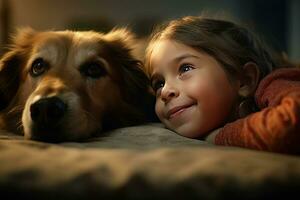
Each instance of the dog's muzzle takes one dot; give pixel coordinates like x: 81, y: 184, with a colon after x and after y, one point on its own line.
x: 47, y: 113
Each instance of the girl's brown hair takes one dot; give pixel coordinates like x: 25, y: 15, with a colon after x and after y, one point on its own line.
x: 230, y: 44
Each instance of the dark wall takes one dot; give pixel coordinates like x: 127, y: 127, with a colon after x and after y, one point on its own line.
x: 271, y: 18
x: 276, y: 20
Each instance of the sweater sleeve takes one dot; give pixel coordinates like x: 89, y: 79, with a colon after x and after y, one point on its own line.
x: 276, y: 127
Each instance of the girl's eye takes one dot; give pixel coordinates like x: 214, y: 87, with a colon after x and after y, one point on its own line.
x: 93, y: 70
x: 38, y: 67
x: 156, y: 85
x: 185, y: 68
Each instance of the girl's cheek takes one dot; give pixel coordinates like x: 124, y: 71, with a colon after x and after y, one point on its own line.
x: 158, y: 109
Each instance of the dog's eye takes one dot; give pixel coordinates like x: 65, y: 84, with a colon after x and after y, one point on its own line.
x: 38, y: 67
x: 93, y: 70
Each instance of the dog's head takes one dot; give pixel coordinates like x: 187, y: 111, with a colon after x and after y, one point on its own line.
x: 66, y: 85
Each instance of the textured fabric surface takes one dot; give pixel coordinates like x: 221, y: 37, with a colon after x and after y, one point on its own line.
x: 142, y: 162
x: 276, y: 128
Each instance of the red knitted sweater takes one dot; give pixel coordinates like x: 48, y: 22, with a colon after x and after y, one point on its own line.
x: 276, y: 127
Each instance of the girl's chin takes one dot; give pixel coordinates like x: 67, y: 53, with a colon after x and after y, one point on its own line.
x: 194, y: 134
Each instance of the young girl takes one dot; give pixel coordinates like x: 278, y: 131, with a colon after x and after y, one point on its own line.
x: 215, y: 80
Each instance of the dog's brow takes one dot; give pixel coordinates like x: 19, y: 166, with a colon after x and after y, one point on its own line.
x: 48, y: 52
x: 82, y: 55
x: 52, y: 49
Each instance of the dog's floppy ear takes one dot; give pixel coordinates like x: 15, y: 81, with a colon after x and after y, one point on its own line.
x: 121, y: 37
x: 10, y: 66
x: 135, y: 83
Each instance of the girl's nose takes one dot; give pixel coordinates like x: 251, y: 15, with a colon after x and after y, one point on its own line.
x: 168, y: 92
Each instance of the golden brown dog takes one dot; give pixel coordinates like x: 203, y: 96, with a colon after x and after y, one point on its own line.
x: 65, y: 85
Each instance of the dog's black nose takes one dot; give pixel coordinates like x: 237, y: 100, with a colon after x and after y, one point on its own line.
x: 48, y: 112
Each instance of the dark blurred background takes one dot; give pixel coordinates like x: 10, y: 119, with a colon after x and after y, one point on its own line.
x: 277, y: 20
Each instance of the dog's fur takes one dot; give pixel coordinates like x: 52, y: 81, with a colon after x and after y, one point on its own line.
x: 94, y: 75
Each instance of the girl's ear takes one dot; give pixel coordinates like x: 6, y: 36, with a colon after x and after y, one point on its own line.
x: 249, y: 80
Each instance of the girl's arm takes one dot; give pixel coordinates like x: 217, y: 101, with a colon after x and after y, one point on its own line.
x: 276, y: 127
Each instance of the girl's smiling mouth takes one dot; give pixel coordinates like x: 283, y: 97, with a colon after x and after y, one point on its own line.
x: 177, y: 110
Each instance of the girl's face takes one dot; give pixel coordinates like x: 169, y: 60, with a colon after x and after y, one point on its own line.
x: 193, y: 92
